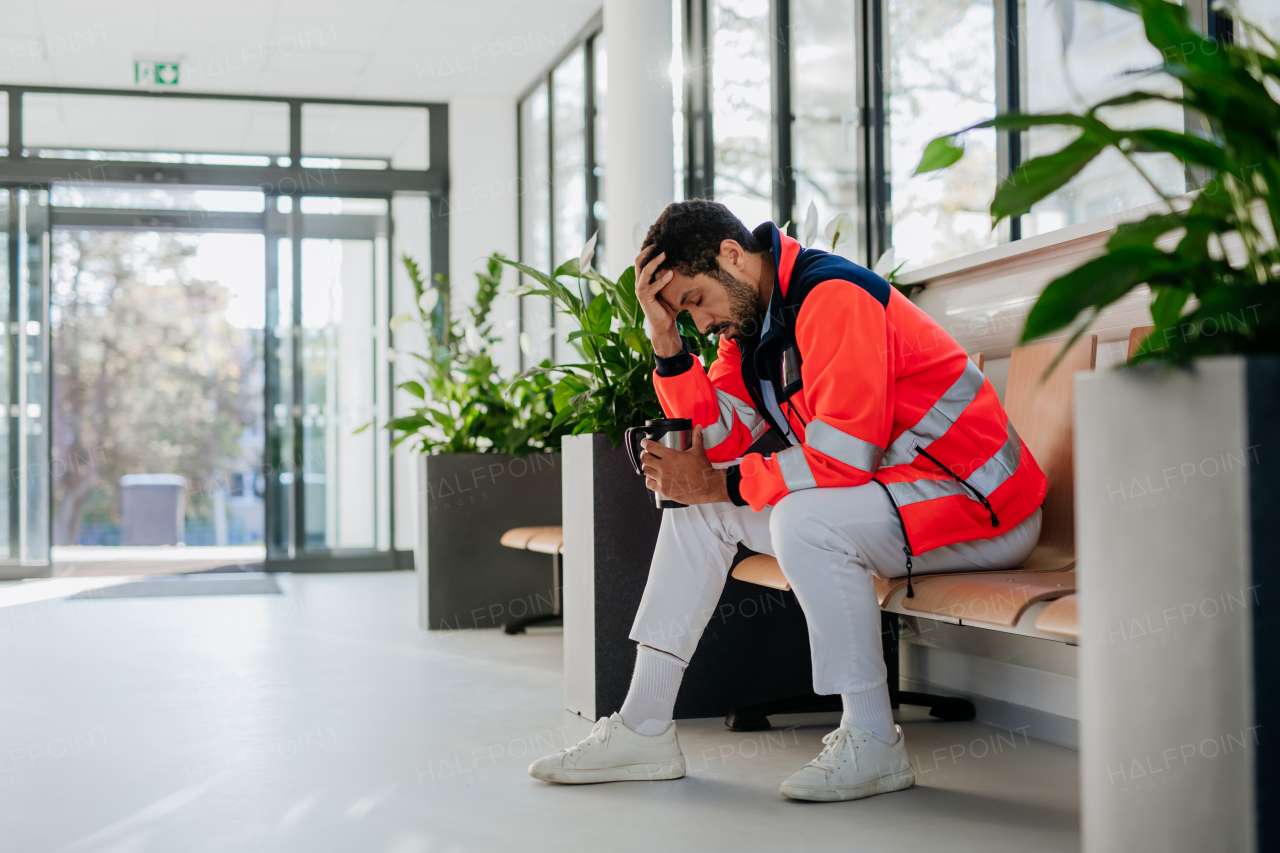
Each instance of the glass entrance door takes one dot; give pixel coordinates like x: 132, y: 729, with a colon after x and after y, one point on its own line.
x: 340, y: 508
x: 24, y: 383
x: 330, y: 398
x: 221, y: 347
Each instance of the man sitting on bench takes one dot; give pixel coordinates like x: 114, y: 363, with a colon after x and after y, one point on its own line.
x: 901, y: 460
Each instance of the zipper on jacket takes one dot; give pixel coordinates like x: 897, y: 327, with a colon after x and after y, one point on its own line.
x: 995, y: 522
x: 906, y: 548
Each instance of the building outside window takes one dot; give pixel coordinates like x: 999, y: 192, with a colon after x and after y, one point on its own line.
x: 740, y: 63
x: 1095, y: 61
x: 940, y: 76
x: 824, y: 99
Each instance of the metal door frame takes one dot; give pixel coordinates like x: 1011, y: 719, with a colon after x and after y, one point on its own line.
x: 283, y: 177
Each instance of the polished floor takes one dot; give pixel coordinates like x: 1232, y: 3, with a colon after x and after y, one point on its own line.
x: 323, y: 720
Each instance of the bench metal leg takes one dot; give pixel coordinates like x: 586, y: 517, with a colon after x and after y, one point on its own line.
x: 755, y: 718
x: 517, y: 626
x: 951, y: 709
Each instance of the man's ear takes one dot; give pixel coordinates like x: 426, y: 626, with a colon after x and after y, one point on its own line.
x: 732, y: 254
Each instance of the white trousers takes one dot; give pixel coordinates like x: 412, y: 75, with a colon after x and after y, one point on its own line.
x: 828, y: 543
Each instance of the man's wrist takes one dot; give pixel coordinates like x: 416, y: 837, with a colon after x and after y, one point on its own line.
x: 676, y: 364
x: 722, y: 485
x: 733, y: 486
x: 667, y: 345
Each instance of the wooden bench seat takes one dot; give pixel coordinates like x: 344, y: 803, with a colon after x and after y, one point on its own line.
x: 993, y: 598
x: 1060, y: 618
x: 519, y: 537
x: 543, y: 540
x: 1041, y: 411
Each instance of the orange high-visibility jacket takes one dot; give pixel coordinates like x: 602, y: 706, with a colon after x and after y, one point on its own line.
x: 874, y: 390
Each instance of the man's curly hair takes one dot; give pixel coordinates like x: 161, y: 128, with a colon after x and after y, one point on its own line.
x: 690, y: 232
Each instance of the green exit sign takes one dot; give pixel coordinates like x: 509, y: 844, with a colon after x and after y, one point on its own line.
x: 148, y: 72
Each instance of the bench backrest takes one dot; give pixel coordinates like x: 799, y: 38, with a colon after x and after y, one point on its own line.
x: 1041, y: 412
x: 1137, y: 335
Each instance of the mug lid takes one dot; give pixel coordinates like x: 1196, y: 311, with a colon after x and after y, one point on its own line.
x: 670, y: 423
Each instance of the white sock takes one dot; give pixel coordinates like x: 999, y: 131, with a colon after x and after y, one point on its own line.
x: 871, y: 710
x: 654, y: 684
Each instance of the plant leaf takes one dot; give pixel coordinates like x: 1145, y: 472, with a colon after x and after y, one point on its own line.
x: 1096, y: 284
x: 1039, y: 177
x: 940, y: 153
x: 1187, y: 148
x: 414, y: 388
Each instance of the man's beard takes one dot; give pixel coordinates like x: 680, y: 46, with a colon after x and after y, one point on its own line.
x: 745, y: 308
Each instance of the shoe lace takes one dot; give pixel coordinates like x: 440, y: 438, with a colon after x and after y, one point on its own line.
x: 599, y: 733
x: 833, y: 751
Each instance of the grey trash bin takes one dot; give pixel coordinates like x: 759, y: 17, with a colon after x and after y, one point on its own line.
x: 151, y: 509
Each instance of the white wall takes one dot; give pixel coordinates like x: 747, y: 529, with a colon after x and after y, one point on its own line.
x: 483, y: 198
x: 641, y: 153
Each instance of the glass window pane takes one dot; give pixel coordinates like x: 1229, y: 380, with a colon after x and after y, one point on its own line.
x: 570, y: 177
x: 132, y: 398
x: 599, y: 208
x: 338, y: 375
x: 823, y: 98
x: 153, y: 197
x: 1264, y: 14
x: 741, y: 108
x: 56, y: 125
x: 940, y: 77
x: 4, y: 125
x: 391, y: 134
x: 5, y: 493
x: 412, y: 216
x: 280, y: 468
x: 349, y: 206
x: 1105, y: 44
x: 677, y: 96
x: 569, y: 158
x: 535, y: 201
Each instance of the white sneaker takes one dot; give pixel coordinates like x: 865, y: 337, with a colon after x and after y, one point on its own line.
x: 614, y: 753
x: 852, y: 765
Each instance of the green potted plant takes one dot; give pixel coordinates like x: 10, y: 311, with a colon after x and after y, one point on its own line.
x: 1175, y: 455
x: 487, y: 462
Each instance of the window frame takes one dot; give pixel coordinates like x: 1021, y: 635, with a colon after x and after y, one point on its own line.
x: 586, y: 40
x: 872, y: 216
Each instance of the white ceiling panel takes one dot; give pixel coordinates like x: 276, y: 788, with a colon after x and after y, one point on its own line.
x: 388, y: 49
x: 150, y: 124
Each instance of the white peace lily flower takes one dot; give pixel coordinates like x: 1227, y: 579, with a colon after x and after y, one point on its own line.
x: 525, y: 346
x: 588, y: 252
x: 428, y: 300
x: 595, y: 287
x: 473, y: 339
x: 885, y: 265
x: 398, y: 321
x: 392, y: 355
x: 837, y: 230
x: 810, y: 225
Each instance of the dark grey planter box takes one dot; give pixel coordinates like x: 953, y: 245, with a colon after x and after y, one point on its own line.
x: 755, y: 649
x: 466, y: 501
x: 1178, y: 535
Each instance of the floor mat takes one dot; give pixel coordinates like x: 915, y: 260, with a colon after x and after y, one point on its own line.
x: 238, y: 583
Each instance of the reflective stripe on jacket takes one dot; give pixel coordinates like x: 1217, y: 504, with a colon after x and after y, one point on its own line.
x: 875, y: 390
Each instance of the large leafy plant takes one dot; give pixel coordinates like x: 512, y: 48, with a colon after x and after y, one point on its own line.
x: 610, y: 388
x: 1210, y: 258
x: 465, y: 407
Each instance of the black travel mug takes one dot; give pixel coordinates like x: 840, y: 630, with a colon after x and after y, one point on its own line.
x: 676, y: 433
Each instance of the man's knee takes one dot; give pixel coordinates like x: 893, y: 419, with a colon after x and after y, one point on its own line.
x: 792, y: 524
